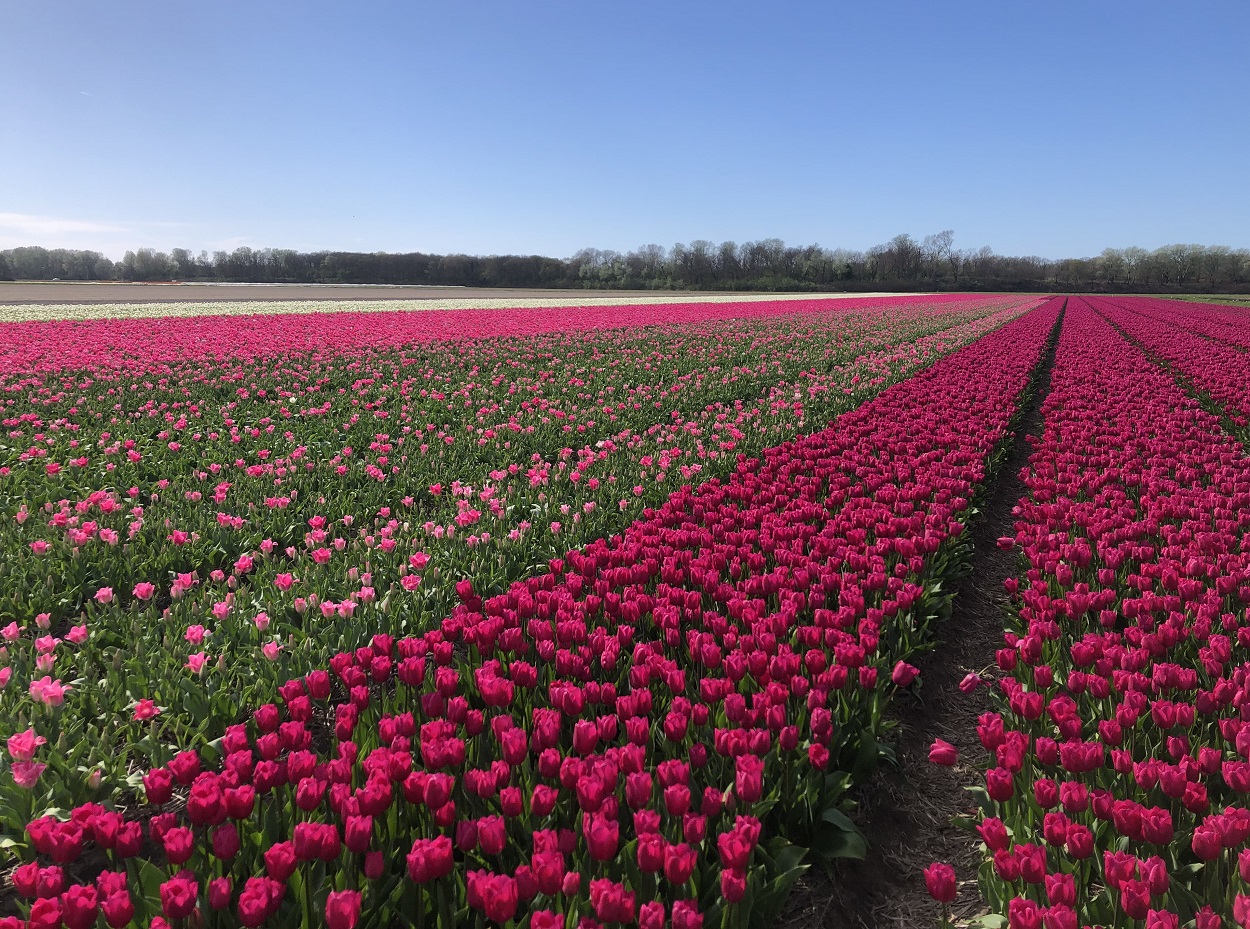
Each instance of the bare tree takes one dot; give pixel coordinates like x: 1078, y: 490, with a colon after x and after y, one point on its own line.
x: 1135, y: 263
x: 1112, y: 264
x: 937, y: 249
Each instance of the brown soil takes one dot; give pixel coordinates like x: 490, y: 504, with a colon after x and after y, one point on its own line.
x: 906, y: 812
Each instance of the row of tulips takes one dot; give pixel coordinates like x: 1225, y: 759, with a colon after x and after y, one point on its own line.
x: 131, y: 344
x: 1208, y: 346
x: 624, y: 738
x: 1210, y: 320
x: 1117, y: 789
x: 198, y: 554
x: 332, y: 306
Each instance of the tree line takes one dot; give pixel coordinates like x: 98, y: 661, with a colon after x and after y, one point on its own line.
x: 903, y: 263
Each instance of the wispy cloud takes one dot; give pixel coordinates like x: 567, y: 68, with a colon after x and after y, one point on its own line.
x: 112, y: 238
x: 38, y: 226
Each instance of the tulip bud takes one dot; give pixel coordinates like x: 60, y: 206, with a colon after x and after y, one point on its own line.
x: 940, y: 880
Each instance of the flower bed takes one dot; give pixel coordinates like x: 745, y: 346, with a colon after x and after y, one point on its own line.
x: 1116, y: 795
x: 185, y: 537
x: 626, y: 737
x: 1218, y: 365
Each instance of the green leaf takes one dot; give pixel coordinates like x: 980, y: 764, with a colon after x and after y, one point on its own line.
x: 838, y: 818
x: 150, y: 879
x: 769, y: 902
x: 832, y: 843
x: 789, y: 858
x: 865, y: 759
x: 762, y: 808
x: 965, y: 822
x: 983, y: 798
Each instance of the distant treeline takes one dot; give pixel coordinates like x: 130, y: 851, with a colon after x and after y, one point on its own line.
x: 903, y: 263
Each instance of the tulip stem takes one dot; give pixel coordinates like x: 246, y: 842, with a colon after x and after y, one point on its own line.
x: 444, y: 913
x: 306, y: 901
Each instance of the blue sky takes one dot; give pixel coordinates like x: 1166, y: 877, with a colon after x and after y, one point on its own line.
x: 1047, y: 128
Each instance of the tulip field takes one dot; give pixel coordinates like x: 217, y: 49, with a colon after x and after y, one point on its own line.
x: 581, y: 617
x: 1118, y: 789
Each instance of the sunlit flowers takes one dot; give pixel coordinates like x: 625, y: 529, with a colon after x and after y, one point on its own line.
x: 48, y: 691
x: 146, y: 709
x: 357, y: 533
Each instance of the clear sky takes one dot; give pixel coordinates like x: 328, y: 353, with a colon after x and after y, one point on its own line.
x: 1047, y: 128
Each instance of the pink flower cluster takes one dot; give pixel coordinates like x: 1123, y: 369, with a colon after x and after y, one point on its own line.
x: 1120, y: 757
x: 132, y: 344
x: 1206, y: 345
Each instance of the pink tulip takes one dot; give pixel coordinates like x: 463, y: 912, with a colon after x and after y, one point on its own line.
x: 940, y: 880
x: 48, y: 692
x: 26, y: 773
x: 904, y: 674
x: 146, y: 709
x: 943, y: 753
x: 23, y: 745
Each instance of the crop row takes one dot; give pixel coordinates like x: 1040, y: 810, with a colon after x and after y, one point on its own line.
x: 133, y: 344
x: 1199, y: 346
x: 1210, y: 321
x: 1116, y: 793
x: 628, y: 735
